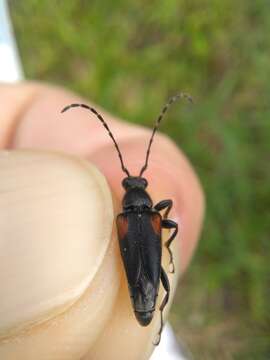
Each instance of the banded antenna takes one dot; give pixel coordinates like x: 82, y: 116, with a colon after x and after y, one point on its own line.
x: 160, y: 117
x: 100, y: 118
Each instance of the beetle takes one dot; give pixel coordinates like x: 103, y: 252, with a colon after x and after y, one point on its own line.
x: 139, y: 232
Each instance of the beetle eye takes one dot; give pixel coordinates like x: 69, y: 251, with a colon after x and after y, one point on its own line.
x: 145, y: 183
x: 125, y: 183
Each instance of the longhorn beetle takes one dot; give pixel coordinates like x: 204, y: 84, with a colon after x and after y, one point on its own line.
x: 139, y: 232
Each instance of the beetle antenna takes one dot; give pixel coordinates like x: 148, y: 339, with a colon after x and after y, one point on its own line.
x: 100, y: 118
x: 160, y: 117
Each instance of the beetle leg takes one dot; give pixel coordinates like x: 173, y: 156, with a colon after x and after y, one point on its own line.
x: 163, y: 204
x: 170, y: 224
x: 166, y: 285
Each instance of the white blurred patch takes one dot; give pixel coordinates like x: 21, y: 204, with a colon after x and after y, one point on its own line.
x: 168, y: 349
x: 10, y: 67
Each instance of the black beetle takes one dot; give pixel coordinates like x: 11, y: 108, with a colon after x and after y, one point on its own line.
x: 139, y: 232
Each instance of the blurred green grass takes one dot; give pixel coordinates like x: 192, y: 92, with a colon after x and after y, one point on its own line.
x: 129, y: 57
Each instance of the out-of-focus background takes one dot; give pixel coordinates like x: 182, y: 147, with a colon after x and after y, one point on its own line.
x: 129, y: 56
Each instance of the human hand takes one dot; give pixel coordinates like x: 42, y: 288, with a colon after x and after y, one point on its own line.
x: 96, y: 320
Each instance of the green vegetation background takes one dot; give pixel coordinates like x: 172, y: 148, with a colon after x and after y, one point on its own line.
x: 129, y: 56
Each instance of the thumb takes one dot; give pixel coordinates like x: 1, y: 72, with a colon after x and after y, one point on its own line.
x: 58, y: 269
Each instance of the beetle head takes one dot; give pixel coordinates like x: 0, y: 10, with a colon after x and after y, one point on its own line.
x: 134, y: 182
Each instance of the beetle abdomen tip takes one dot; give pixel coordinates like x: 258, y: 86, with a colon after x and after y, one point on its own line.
x: 144, y: 318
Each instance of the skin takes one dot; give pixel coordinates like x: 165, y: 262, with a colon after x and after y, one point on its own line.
x: 30, y: 118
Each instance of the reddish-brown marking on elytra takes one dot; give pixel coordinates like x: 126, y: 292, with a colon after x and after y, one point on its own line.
x: 122, y: 226
x: 156, y: 223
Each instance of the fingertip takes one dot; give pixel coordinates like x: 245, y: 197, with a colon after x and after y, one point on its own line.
x: 15, y: 100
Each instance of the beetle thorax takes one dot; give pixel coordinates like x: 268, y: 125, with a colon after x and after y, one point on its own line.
x: 137, y: 199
